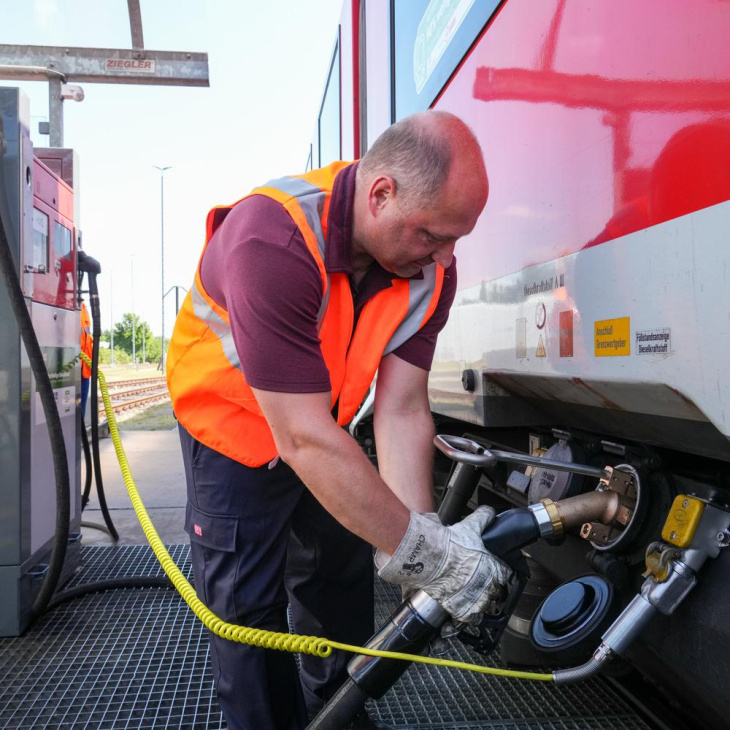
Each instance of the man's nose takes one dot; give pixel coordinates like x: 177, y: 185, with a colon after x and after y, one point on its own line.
x: 444, y: 254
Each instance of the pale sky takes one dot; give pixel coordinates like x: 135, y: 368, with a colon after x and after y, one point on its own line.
x: 267, y: 59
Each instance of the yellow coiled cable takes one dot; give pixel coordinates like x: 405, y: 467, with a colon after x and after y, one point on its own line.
x: 258, y: 637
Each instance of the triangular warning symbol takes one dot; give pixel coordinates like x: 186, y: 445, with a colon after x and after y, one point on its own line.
x: 541, y: 348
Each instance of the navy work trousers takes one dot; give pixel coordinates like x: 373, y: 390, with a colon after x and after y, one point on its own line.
x: 260, y: 542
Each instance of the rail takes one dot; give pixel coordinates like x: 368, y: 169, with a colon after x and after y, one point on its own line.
x: 127, y: 399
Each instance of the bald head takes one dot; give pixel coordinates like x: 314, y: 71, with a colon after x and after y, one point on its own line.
x: 420, y: 152
x: 419, y: 189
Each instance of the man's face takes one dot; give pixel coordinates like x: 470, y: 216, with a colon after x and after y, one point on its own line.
x: 406, y: 237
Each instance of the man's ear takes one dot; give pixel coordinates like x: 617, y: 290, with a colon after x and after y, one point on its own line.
x: 380, y: 194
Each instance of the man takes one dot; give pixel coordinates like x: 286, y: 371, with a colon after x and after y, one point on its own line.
x: 87, y: 347
x: 305, y: 288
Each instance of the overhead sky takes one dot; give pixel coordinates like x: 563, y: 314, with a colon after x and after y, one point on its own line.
x: 268, y: 61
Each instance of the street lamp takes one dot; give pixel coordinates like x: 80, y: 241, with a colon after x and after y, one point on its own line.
x: 134, y: 321
x: 162, y: 255
x: 111, y: 314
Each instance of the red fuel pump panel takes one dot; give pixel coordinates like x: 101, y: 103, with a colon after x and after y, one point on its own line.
x: 53, y: 259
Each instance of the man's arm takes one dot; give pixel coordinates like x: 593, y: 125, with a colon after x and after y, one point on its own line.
x: 404, y: 432
x: 333, y: 467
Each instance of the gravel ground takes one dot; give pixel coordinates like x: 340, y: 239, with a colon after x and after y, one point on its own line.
x: 155, y: 418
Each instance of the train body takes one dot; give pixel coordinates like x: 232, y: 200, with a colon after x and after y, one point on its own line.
x: 591, y: 320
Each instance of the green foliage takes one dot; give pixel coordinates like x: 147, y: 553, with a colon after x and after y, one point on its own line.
x: 120, y: 356
x: 152, y: 349
x: 131, y: 326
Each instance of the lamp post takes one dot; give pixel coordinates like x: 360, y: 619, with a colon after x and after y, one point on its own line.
x: 134, y: 321
x: 111, y: 314
x: 162, y: 256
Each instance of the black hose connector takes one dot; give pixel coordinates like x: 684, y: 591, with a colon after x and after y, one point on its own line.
x: 510, y: 532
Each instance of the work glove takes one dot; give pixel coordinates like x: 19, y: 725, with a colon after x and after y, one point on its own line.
x: 450, y: 563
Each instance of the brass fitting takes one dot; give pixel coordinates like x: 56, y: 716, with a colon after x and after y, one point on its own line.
x: 555, y: 518
x: 606, y: 507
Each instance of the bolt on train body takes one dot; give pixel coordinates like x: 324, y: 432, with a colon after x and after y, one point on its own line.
x: 592, y: 318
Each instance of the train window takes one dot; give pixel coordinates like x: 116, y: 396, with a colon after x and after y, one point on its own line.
x: 431, y: 39
x: 329, y: 115
x: 61, y: 241
x: 40, y: 242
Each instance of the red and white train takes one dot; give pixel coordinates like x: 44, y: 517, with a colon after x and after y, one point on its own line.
x: 592, y: 318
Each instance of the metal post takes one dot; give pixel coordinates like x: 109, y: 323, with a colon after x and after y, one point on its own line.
x: 55, y: 112
x: 162, y: 256
x: 144, y: 346
x: 134, y: 321
x: 177, y: 300
x: 111, y: 316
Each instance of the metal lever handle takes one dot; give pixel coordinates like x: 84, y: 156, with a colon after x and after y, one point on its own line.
x: 465, y: 450
x: 470, y: 452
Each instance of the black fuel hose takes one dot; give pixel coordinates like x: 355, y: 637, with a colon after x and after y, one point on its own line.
x: 92, y: 267
x: 109, y: 585
x: 87, y: 460
x: 406, y: 630
x: 53, y: 420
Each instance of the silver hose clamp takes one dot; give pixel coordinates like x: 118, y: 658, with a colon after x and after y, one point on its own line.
x: 543, y: 519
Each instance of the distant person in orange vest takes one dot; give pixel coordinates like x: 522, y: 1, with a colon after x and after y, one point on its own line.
x: 306, y: 287
x: 87, y: 347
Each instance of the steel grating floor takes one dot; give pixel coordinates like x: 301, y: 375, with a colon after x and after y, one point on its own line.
x: 138, y: 658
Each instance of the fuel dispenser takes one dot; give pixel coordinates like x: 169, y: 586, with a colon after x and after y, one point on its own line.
x: 37, y: 216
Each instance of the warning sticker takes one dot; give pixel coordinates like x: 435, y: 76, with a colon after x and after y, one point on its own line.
x: 613, y: 337
x: 521, y: 337
x: 541, y: 348
x: 566, y: 333
x: 654, y: 342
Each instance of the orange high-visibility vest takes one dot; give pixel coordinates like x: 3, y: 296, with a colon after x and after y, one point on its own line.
x: 87, y: 341
x: 208, y: 389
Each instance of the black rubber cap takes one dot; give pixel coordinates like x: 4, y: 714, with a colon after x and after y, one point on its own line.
x: 469, y: 380
x: 574, y: 613
x: 565, y: 607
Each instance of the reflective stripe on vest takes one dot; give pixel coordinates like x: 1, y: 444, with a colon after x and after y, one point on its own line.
x: 208, y: 388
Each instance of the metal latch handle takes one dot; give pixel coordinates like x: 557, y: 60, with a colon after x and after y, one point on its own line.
x: 471, y: 452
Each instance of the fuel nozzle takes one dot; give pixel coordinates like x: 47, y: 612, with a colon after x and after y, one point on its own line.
x: 89, y: 265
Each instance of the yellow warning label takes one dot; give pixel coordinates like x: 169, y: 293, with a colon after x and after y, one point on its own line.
x: 541, y: 348
x: 612, y: 337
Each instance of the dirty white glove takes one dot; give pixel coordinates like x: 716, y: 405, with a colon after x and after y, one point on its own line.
x: 381, y: 558
x: 449, y: 563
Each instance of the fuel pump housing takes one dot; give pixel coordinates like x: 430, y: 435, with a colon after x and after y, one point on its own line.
x: 37, y: 209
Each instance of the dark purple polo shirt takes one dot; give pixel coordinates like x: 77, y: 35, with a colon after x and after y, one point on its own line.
x: 258, y: 268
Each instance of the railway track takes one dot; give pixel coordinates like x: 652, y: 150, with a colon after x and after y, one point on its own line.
x: 146, y: 392
x: 115, y: 385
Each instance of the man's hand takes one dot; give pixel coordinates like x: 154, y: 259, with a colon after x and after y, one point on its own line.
x: 450, y: 563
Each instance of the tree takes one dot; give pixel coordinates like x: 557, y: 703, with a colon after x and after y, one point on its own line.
x: 153, y: 349
x: 120, y: 357
x: 123, y: 332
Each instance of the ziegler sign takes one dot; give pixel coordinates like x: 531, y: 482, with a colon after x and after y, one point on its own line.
x: 130, y: 64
